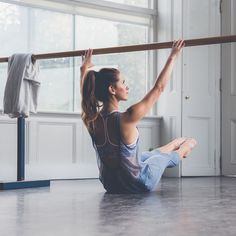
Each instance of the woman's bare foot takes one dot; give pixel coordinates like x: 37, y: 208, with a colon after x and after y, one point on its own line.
x: 187, y: 146
x: 173, y: 145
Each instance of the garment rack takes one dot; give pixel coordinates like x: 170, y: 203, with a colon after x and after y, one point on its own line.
x: 21, y: 183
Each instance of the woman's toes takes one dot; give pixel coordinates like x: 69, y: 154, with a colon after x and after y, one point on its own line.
x: 179, y: 141
x: 192, y: 142
x: 187, y: 146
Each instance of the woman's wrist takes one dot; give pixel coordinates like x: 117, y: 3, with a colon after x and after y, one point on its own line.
x: 172, y: 58
x: 83, y: 68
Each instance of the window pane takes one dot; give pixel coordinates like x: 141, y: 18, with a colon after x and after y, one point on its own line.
x: 25, y: 29
x: 96, y: 33
x: 13, y: 29
x: 137, y: 3
x: 52, y: 31
x: 56, y: 92
x: 13, y: 26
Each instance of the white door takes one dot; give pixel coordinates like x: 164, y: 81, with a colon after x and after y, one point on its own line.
x: 229, y: 90
x: 200, y: 96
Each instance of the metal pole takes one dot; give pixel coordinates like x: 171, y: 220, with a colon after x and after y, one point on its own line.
x: 20, y: 148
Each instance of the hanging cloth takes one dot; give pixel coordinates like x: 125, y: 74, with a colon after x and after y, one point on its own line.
x: 22, y: 86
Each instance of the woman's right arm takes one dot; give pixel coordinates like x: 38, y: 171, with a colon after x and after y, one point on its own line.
x: 137, y: 111
x: 86, y: 64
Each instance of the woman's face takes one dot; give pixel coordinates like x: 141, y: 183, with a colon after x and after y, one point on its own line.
x: 121, y: 89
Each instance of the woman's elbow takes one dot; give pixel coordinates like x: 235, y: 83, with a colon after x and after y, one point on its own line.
x: 160, y: 88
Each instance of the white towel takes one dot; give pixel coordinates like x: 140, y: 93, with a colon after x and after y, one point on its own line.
x: 22, y: 86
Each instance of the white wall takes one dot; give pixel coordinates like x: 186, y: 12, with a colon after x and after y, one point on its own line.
x: 58, y: 146
x: 169, y: 105
x: 185, y: 19
x: 229, y: 90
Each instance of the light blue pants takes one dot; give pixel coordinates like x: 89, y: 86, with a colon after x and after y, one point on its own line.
x: 153, y: 165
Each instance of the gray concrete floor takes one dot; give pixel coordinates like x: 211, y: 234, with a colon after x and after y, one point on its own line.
x: 186, y: 206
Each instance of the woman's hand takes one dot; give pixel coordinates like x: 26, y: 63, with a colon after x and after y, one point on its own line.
x: 176, y: 48
x: 87, y: 60
x: 86, y: 64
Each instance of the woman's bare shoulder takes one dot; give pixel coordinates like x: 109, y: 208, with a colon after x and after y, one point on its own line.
x: 129, y: 131
x: 126, y: 119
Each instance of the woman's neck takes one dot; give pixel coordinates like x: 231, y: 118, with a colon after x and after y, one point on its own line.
x: 110, y: 106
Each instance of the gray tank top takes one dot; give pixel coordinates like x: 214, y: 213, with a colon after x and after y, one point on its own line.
x: 117, y: 163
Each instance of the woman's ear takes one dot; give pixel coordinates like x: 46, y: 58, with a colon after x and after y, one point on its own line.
x: 111, y: 90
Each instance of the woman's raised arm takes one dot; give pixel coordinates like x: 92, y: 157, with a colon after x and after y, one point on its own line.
x: 137, y: 111
x: 86, y: 64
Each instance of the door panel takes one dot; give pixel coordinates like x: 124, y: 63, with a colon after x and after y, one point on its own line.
x: 229, y: 91
x: 201, y: 71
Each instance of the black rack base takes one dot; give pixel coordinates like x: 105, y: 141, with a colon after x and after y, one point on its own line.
x: 24, y: 184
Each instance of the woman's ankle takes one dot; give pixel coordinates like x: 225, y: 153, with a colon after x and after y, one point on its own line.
x: 186, y: 148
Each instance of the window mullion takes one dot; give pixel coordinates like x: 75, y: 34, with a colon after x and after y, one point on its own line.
x: 73, y: 66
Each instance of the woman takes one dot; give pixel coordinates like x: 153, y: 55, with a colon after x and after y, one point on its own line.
x: 115, y: 135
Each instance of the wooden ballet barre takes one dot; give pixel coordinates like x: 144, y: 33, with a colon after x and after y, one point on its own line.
x: 135, y: 48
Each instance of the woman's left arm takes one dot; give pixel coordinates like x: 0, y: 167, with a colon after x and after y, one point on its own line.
x: 86, y: 64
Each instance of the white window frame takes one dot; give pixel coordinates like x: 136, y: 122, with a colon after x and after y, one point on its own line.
x: 96, y: 8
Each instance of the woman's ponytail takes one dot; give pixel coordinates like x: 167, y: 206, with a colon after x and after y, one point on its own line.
x: 90, y: 105
x: 95, y: 90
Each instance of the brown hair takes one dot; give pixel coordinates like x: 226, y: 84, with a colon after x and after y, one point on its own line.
x: 94, y: 91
